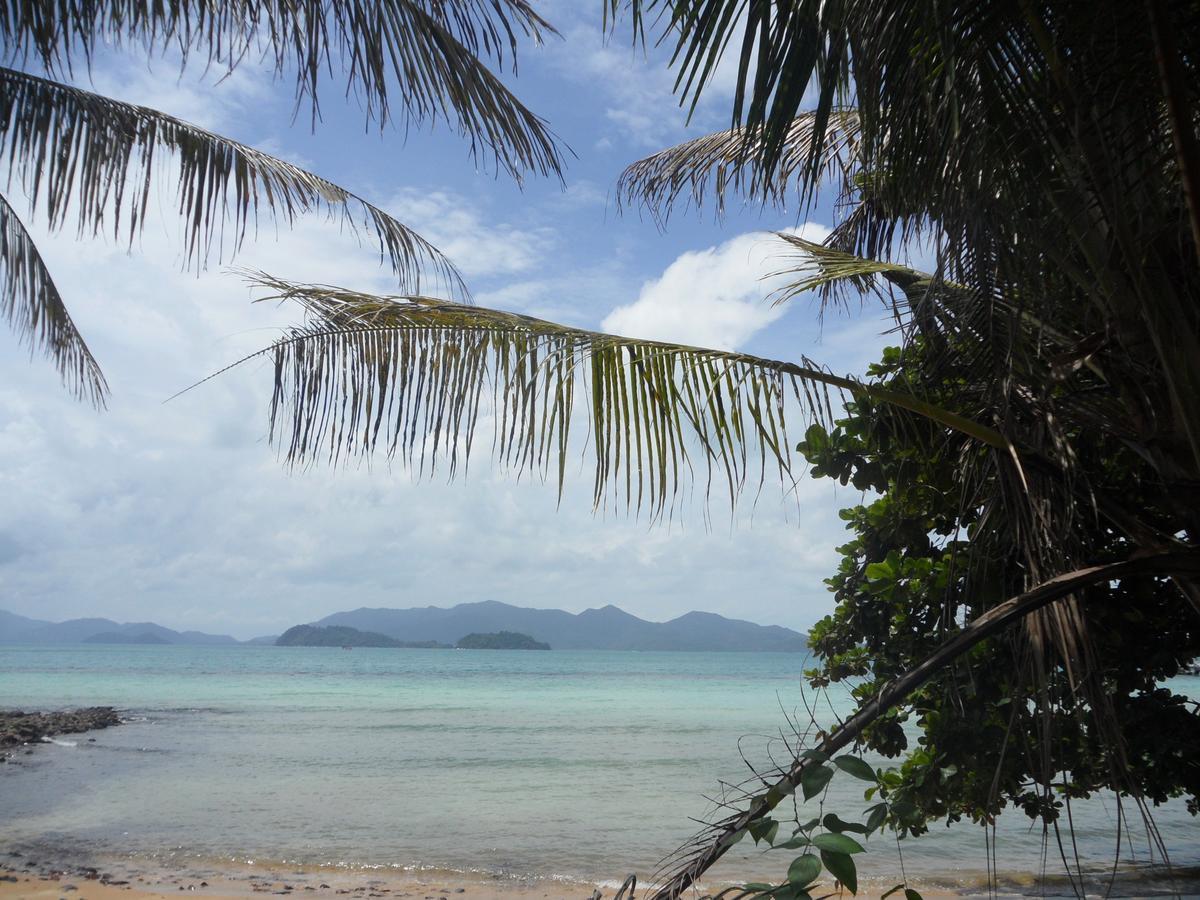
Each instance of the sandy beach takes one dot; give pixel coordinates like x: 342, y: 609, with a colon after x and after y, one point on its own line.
x: 88, y: 883
x: 120, y: 883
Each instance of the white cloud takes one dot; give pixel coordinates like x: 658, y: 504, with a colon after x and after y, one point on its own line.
x: 711, y: 298
x: 456, y: 227
x: 203, y: 99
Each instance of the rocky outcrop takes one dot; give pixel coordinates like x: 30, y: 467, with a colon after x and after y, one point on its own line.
x: 18, y: 728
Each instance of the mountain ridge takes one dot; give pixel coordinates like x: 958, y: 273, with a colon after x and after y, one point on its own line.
x: 604, y: 628
x: 599, y: 628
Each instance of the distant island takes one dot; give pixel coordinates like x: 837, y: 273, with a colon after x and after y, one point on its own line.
x: 344, y: 636
x: 119, y: 637
x: 606, y: 628
x: 500, y: 640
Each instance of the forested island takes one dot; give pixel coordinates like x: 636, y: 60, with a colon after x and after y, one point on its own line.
x: 344, y: 636
x: 500, y: 640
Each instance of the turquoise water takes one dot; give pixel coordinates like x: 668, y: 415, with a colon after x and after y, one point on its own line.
x: 577, y: 764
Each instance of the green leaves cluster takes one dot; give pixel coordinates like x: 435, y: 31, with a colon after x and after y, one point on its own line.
x: 825, y: 839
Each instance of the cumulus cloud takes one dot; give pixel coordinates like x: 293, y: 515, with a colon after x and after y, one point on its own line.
x: 711, y: 298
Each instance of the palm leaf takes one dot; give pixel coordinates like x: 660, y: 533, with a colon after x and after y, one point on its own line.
x: 91, y: 159
x: 31, y: 303
x: 431, y: 50
x: 712, y: 167
x: 412, y: 377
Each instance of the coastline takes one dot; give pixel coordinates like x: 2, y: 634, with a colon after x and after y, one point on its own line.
x: 120, y: 881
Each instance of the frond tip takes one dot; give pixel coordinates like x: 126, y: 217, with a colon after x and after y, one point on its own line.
x: 30, y: 301
x: 413, y: 378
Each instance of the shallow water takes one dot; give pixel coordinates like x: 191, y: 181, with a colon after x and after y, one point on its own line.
x: 579, y: 764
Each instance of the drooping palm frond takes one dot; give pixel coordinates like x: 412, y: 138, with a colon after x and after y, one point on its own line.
x: 91, y: 159
x: 30, y: 301
x: 429, y: 49
x: 709, y: 169
x: 412, y: 377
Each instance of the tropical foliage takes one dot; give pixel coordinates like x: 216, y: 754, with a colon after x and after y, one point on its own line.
x: 918, y: 566
x: 88, y: 161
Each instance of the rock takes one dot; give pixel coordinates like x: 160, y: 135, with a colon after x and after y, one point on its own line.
x: 18, y: 727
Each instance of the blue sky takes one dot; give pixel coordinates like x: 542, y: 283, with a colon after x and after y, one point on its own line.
x: 181, y: 512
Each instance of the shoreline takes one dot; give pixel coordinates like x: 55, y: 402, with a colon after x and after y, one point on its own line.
x: 120, y: 881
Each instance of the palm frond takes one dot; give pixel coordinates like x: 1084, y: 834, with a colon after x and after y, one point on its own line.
x: 412, y: 377
x: 31, y: 303
x: 712, y: 167
x: 834, y: 273
x: 91, y: 159
x: 430, y: 50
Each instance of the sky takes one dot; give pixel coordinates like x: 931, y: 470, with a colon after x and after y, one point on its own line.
x: 181, y: 511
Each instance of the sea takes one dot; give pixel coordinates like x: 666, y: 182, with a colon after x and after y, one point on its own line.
x: 568, y: 765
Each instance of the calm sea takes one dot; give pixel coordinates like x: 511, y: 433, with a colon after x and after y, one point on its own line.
x: 583, y: 765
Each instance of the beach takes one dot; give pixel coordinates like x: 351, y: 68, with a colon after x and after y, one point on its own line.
x: 123, y: 883
x: 89, y: 883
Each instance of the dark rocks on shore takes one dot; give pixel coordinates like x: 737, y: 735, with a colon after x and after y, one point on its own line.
x: 18, y: 727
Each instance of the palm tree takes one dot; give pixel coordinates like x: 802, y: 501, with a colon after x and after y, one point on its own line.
x: 88, y: 160
x: 1047, y: 151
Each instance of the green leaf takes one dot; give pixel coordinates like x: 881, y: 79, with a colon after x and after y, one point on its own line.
x: 836, y: 825
x: 910, y: 894
x: 841, y: 866
x: 852, y: 765
x: 837, y: 843
x: 815, y: 756
x: 804, y: 871
x: 763, y: 830
x: 757, y: 887
x: 875, y: 816
x: 879, y: 571
x: 814, y: 779
x: 889, y: 893
x: 793, y: 843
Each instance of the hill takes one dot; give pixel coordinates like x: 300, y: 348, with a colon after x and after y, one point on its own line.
x: 343, y: 636
x: 500, y: 640
x: 119, y: 637
x: 16, y: 629
x: 607, y: 628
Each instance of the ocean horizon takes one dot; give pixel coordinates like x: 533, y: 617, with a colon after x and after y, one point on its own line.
x: 574, y: 765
